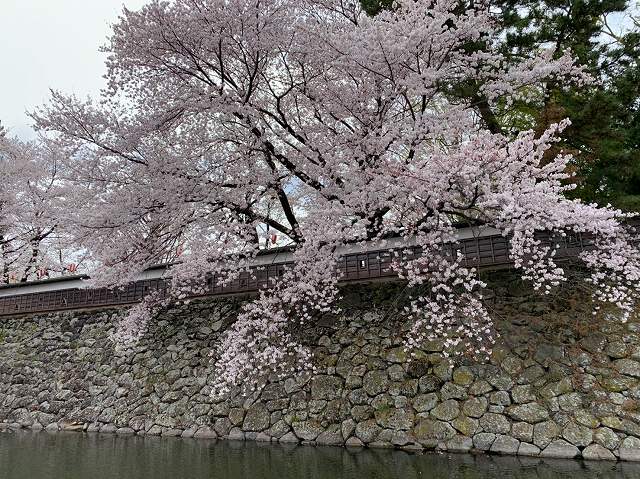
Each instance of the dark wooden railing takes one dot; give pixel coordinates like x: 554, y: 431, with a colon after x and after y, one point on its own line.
x: 481, y: 252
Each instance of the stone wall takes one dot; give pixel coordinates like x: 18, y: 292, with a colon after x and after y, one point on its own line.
x: 561, y: 382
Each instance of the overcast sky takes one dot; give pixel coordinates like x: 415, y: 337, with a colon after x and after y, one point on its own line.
x: 51, y: 44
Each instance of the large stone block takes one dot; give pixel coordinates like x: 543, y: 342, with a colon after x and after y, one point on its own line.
x: 326, y: 387
x: 505, y: 445
x: 367, y: 431
x: 597, y: 452
x: 307, y: 430
x: 375, y: 382
x: 577, y: 435
x: 447, y: 410
x: 628, y: 367
x: 483, y: 441
x: 257, y: 418
x: 428, y: 430
x: 544, y: 433
x: 475, y: 407
x: 560, y: 449
x: 531, y: 412
x: 495, y: 423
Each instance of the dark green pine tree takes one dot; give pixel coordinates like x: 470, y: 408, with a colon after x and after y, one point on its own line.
x: 373, y: 7
x: 605, y: 133
x: 606, y: 127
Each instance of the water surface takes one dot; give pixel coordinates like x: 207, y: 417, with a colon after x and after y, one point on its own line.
x: 42, y: 455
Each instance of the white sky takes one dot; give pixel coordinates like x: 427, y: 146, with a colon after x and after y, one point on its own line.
x: 51, y: 44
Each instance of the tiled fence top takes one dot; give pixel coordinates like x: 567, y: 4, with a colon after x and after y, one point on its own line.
x: 484, y: 251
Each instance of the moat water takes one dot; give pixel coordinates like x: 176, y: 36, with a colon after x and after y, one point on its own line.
x: 42, y: 455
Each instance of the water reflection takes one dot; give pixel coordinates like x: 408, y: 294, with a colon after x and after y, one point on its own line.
x: 26, y: 455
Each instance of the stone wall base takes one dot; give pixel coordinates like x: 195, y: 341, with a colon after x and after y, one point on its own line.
x: 560, y: 383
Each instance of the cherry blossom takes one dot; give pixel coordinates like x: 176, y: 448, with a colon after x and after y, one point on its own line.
x: 227, y: 121
x: 31, y: 243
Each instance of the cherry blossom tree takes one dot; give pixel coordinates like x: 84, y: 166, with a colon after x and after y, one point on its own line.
x: 31, y: 243
x: 223, y: 119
